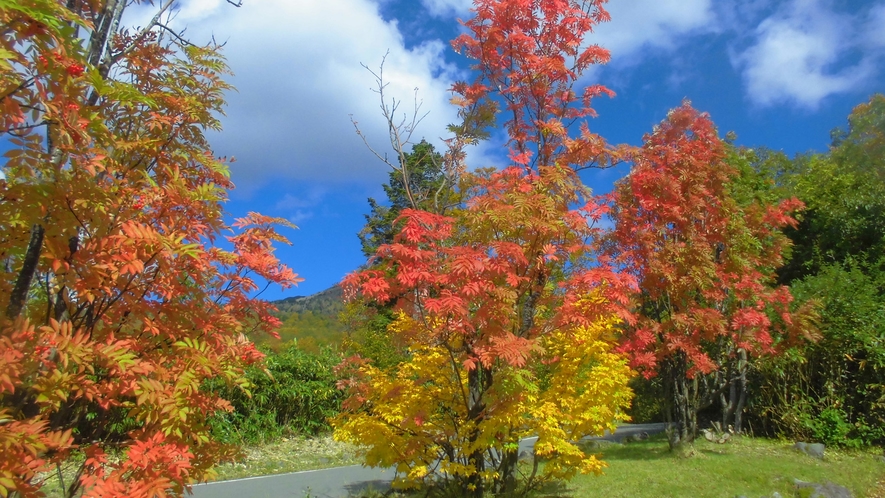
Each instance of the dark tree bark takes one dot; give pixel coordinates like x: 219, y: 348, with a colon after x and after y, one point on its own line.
x: 26, y: 275
x: 682, y: 401
x: 478, y: 381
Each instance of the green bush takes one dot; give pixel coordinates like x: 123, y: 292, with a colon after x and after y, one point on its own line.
x: 297, y: 398
x: 367, y: 335
x: 830, y: 391
x: 831, y: 427
x: 647, y: 405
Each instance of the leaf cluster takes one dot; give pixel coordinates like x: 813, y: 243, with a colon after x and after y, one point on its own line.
x: 531, y: 55
x: 703, y: 252
x: 494, y: 305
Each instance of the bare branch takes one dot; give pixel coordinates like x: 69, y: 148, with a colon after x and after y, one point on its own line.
x: 177, y: 36
x: 400, y: 130
x: 17, y: 130
x: 24, y: 84
x: 359, y: 132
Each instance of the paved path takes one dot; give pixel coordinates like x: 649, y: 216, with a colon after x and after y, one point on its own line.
x: 340, y: 482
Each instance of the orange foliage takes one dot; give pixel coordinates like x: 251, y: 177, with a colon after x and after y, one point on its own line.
x: 112, y: 192
x: 706, y: 262
x: 531, y: 54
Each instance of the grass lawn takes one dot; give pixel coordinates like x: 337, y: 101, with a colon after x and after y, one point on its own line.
x: 289, y: 455
x: 751, y: 467
x: 742, y: 467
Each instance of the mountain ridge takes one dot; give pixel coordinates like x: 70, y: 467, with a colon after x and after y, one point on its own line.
x: 327, y: 302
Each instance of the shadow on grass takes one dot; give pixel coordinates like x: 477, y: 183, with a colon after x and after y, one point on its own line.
x: 551, y: 489
x: 655, y: 448
x: 712, y: 453
x: 652, y: 449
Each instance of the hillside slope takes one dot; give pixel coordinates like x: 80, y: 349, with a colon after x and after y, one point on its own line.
x: 312, y: 320
x: 328, y: 302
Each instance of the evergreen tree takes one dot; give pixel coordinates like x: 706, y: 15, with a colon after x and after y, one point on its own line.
x: 428, y: 188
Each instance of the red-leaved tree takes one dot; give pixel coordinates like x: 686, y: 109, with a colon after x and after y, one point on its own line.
x: 706, y: 301
x: 508, y: 323
x: 508, y: 336
x: 118, y: 302
x: 529, y: 56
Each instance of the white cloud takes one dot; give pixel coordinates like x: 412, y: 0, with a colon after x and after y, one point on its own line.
x: 298, y: 76
x: 299, y: 216
x: 309, y: 199
x: 799, y: 55
x: 196, y: 10
x: 640, y: 25
x: 448, y: 7
x: 875, y: 27
x: 301, y: 205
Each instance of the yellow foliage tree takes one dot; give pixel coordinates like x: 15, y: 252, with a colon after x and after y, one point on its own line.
x: 414, y: 417
x: 510, y: 334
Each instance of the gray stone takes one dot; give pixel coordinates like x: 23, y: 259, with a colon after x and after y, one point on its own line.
x: 776, y: 495
x: 715, y: 437
x: 825, y: 490
x: 632, y: 438
x: 598, y: 444
x: 816, y: 450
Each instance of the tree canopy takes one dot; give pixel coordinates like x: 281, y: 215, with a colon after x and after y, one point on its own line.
x: 498, y: 303
x: 429, y: 188
x: 704, y: 264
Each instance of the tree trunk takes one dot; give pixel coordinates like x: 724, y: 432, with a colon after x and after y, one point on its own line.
x: 478, y: 380
x: 739, y: 390
x: 507, y: 481
x: 728, y: 402
x: 26, y: 275
x: 682, y: 401
x: 732, y: 409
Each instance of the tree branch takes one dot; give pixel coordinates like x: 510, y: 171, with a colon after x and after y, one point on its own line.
x: 400, y: 133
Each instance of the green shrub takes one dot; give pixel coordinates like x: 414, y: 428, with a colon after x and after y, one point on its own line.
x: 831, y: 427
x: 298, y: 397
x: 830, y: 391
x: 368, y: 337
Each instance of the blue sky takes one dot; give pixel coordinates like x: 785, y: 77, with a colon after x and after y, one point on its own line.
x: 778, y: 73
